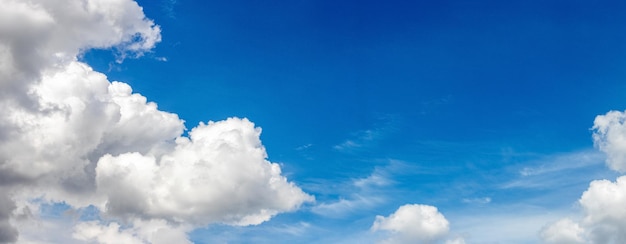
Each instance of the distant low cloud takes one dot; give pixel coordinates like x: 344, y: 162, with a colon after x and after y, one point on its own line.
x: 414, y: 223
x: 68, y: 134
x: 564, y: 231
x: 480, y: 200
x: 152, y: 231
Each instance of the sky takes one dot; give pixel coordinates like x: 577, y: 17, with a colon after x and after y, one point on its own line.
x: 312, y: 121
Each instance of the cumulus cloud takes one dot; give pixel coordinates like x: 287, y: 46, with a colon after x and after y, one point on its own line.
x: 604, y: 219
x: 68, y: 134
x: 153, y: 231
x: 564, y: 231
x: 218, y: 174
x: 609, y: 135
x: 414, y: 223
x: 604, y: 216
x: 37, y: 35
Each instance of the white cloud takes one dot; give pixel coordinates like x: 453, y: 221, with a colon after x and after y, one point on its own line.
x: 343, y: 207
x: 564, y: 231
x: 364, y: 193
x: 93, y: 231
x: 604, y: 216
x: 562, y: 162
x: 414, y: 223
x: 68, y: 134
x: 36, y: 35
x: 228, y: 156
x: 560, y: 171
x: 603, y: 202
x: 479, y: 200
x: 457, y: 240
x: 511, y: 223
x: 378, y: 178
x: 153, y: 231
x: 609, y: 135
x: 297, y: 229
x: 346, y: 145
x: 368, y: 138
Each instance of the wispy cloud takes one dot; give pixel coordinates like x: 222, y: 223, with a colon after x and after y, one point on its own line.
x: 559, y: 170
x: 478, y: 200
x: 345, y: 207
x: 363, y: 193
x: 362, y: 138
x: 369, y: 137
x: 562, y: 162
x: 304, y: 147
x: 503, y: 224
x: 295, y: 230
x: 168, y: 8
x: 376, y: 179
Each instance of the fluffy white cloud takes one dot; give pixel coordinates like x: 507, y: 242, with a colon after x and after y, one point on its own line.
x: 68, y: 134
x: 36, y: 35
x: 218, y: 174
x: 414, y: 223
x: 564, y: 231
x: 604, y: 220
x: 153, y: 231
x: 605, y: 215
x: 603, y: 202
x: 610, y: 137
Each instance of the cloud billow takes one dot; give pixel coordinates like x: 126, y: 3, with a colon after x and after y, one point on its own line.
x: 70, y: 135
x: 415, y: 223
x: 604, y: 218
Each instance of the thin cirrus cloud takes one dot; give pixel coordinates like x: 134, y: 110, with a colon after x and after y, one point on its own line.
x: 367, y: 138
x: 559, y: 171
x: 70, y: 135
x: 363, y: 194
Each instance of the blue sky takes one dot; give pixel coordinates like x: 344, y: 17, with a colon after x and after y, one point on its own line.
x: 448, y: 102
x: 483, y: 109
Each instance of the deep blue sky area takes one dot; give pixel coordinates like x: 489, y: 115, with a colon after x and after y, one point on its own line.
x: 447, y: 99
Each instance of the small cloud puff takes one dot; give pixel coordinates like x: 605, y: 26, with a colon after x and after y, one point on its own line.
x: 414, y: 223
